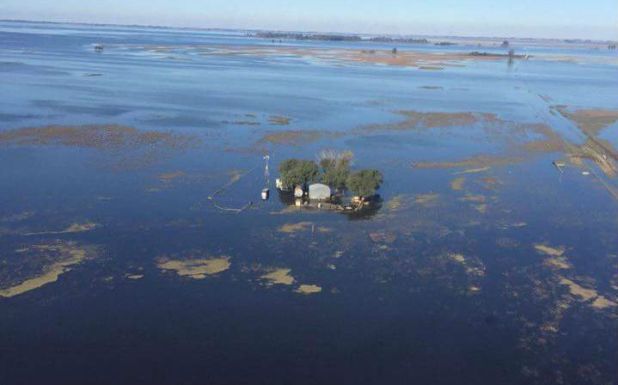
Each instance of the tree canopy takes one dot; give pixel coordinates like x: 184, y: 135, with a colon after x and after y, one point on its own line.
x: 364, y: 182
x: 335, y: 168
x: 295, y: 172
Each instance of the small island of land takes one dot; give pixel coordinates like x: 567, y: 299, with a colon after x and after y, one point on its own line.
x: 325, y: 183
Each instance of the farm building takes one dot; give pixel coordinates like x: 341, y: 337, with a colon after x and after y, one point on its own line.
x: 319, y: 192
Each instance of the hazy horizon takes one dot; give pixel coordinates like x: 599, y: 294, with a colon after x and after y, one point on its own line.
x: 307, y: 31
x: 476, y: 18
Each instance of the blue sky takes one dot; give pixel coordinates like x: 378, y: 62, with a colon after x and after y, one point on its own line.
x: 596, y: 19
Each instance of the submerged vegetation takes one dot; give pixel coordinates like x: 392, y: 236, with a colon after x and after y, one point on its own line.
x: 130, y: 147
x: 198, y: 268
x: 57, y: 258
x: 98, y: 136
x: 484, y: 241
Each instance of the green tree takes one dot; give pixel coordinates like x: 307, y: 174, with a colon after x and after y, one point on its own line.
x: 298, y: 172
x: 335, y: 168
x: 364, y: 182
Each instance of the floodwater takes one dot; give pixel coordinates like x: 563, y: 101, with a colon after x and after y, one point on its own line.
x: 135, y: 249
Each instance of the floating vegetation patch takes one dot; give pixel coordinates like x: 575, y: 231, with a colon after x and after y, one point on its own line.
x: 295, y: 227
x: 198, y: 268
x: 478, y: 161
x: 429, y: 61
x: 418, y: 120
x: 169, y: 177
x: 57, y: 257
x: 74, y: 228
x: 457, y: 184
x: 423, y: 60
x: 382, y: 237
x: 279, y: 120
x: 308, y: 289
x: 473, y: 198
x: 475, y: 170
x: 591, y: 121
x: 549, y: 250
x: 587, y: 294
x: 474, y: 267
x: 602, y: 303
x: 395, y: 203
x: 296, y: 137
x: 98, y: 136
x: 490, y: 183
x: 426, y: 199
x: 560, y: 263
x: 579, y: 291
x: 135, y: 277
x: 131, y: 147
x: 278, y: 277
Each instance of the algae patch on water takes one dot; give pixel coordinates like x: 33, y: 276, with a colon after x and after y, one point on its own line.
x: 63, y: 256
x: 196, y: 268
x: 278, y: 277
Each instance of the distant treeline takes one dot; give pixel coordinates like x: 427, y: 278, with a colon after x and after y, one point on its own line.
x: 386, y: 39
x: 307, y: 36
x: 337, y: 37
x: 491, y: 54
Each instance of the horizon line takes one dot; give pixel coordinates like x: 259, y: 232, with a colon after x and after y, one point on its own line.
x: 162, y: 26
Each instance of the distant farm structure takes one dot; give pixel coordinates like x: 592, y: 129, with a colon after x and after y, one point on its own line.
x: 325, y: 183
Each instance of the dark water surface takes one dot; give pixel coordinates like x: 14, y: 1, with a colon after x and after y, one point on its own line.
x: 499, y: 270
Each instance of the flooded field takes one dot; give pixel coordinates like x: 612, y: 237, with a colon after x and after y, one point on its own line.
x: 135, y: 248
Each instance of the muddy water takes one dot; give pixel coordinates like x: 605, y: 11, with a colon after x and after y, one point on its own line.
x: 134, y: 247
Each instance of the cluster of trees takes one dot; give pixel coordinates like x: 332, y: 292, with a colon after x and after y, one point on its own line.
x: 307, y: 36
x: 332, y: 169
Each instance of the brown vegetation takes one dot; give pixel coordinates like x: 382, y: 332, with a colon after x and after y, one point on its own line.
x: 100, y: 136
x: 295, y: 137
